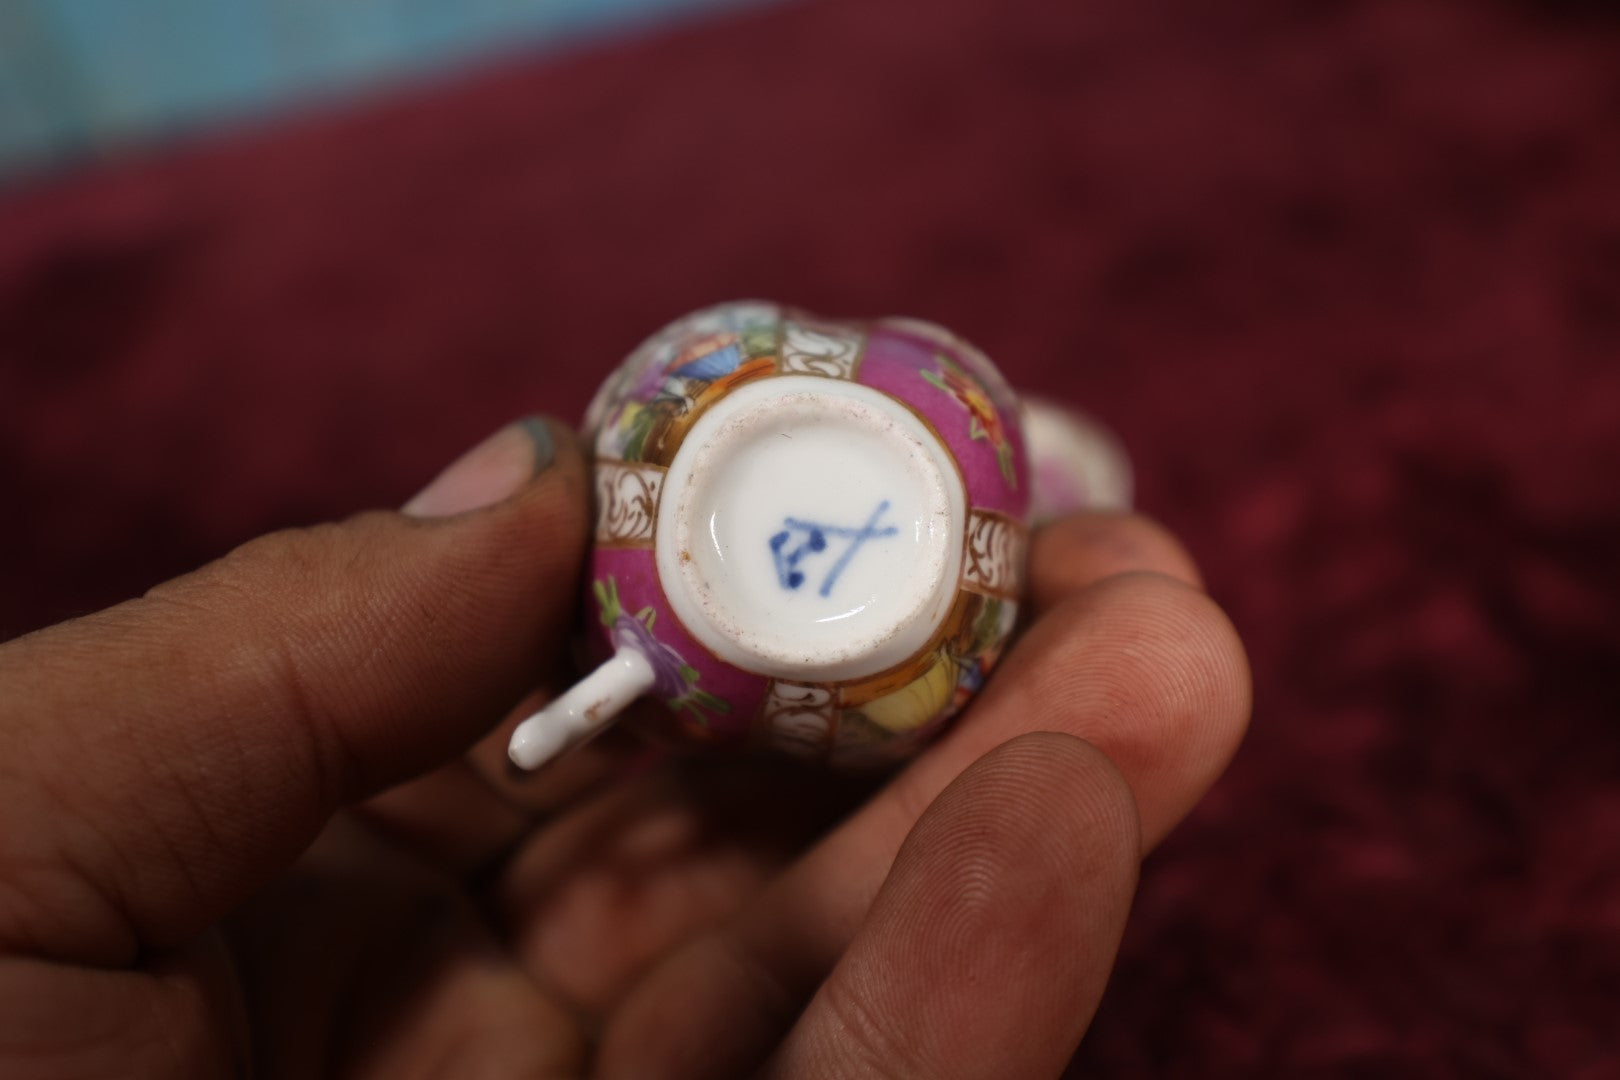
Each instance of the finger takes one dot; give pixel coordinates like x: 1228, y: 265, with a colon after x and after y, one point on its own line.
x: 449, y: 817
x: 987, y: 949
x: 160, y: 760
x: 465, y: 817
x: 614, y: 755
x: 180, y: 1018
x: 595, y: 897
x: 1069, y: 554
x: 1146, y: 669
x: 468, y: 1013
x: 363, y: 961
x: 1082, y: 549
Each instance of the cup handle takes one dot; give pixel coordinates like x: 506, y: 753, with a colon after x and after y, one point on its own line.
x: 1076, y: 462
x: 588, y: 707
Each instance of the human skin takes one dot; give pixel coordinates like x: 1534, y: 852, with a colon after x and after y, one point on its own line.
x: 260, y: 821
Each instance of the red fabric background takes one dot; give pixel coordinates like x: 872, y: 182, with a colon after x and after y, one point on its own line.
x: 1345, y: 276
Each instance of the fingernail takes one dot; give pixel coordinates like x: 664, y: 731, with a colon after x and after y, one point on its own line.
x: 491, y: 471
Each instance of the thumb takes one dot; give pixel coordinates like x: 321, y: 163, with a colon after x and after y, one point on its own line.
x: 162, y: 759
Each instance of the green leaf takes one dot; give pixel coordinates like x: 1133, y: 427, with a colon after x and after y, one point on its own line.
x: 607, y: 596
x: 719, y: 705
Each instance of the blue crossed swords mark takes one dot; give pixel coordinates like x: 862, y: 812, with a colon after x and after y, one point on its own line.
x: 813, y: 538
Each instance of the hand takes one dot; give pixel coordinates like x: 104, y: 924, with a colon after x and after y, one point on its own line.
x: 260, y: 816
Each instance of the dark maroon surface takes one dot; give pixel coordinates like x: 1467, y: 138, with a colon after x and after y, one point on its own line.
x: 1346, y: 277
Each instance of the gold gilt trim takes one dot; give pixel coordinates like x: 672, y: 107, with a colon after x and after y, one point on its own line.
x: 993, y: 551
x: 815, y: 348
x: 627, y: 494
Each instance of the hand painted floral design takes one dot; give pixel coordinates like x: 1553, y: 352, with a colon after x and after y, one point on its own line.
x: 984, y: 422
x: 676, y: 679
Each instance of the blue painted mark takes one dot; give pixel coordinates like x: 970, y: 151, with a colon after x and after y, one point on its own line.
x: 813, y: 540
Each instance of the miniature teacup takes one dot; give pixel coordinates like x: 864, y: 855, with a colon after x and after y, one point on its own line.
x: 810, y: 535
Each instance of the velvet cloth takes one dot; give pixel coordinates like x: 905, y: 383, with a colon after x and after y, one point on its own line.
x: 1344, y: 275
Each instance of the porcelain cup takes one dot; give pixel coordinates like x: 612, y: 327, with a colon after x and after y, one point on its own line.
x: 810, y: 535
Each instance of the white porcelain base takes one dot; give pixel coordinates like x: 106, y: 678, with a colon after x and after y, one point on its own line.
x: 811, y: 528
